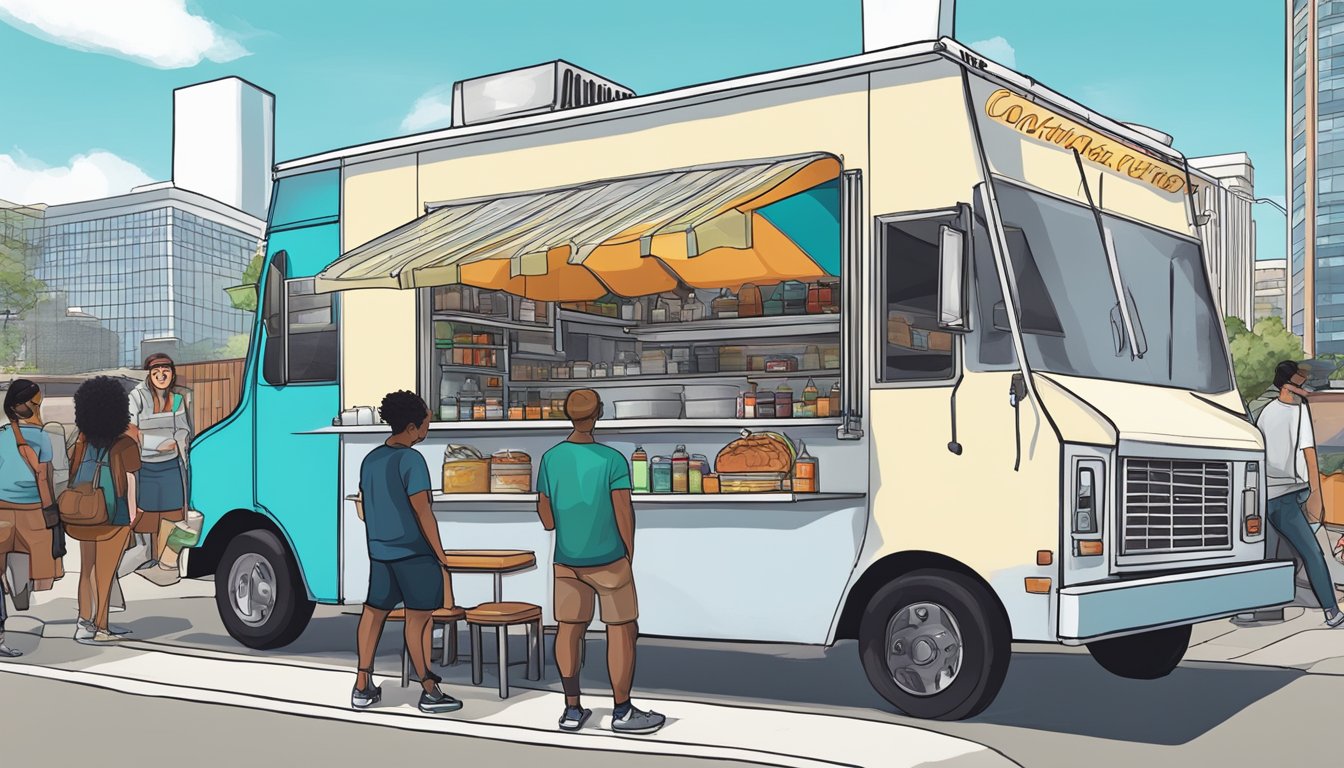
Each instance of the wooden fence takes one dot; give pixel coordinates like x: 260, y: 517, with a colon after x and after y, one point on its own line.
x: 216, y: 386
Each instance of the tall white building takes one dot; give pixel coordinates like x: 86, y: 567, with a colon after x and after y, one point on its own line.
x: 1271, y: 289
x: 223, y: 142
x: 1223, y: 203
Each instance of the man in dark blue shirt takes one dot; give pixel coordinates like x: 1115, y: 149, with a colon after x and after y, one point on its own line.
x: 406, y: 558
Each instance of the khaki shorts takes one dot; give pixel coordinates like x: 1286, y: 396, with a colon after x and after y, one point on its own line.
x: 25, y: 530
x: 612, y: 584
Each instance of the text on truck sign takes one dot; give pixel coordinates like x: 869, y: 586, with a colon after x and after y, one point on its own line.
x: 1032, y: 120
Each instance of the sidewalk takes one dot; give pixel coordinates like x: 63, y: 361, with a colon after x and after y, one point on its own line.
x: 180, y: 651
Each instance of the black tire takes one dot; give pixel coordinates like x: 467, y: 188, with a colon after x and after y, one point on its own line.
x: 290, y: 608
x: 986, y: 643
x: 1146, y: 656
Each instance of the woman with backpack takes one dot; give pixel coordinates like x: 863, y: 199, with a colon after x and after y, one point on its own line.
x: 25, y: 491
x: 161, y: 414
x: 103, y: 461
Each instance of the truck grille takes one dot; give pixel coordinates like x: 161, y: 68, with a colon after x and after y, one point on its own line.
x: 1176, y: 506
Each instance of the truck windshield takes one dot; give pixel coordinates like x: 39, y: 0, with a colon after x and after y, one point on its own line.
x: 1071, y: 323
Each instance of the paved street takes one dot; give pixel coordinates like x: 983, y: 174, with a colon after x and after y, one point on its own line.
x: 1244, y: 696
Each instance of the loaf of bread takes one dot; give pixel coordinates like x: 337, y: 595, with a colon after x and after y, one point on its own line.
x: 759, y: 452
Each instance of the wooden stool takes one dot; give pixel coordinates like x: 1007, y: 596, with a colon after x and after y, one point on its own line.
x: 448, y: 618
x: 501, y: 616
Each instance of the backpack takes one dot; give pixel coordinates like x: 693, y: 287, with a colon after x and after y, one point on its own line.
x: 88, y: 503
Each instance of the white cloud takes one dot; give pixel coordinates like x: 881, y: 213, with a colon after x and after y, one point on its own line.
x: 158, y: 33
x: 86, y: 177
x: 997, y: 49
x: 433, y: 110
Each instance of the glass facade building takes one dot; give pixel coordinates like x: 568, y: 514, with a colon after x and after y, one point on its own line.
x: 151, y: 266
x: 1316, y: 157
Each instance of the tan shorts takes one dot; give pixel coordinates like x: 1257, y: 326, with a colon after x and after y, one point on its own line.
x: 148, y: 522
x: 613, y: 585
x: 25, y: 530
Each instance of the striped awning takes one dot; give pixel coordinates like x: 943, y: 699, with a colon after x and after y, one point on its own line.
x: 631, y: 236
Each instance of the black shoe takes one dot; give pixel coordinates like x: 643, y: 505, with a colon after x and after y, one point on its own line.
x: 438, y: 702
x: 367, y: 697
x: 574, y: 718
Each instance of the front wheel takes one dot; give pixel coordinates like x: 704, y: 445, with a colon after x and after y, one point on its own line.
x: 259, y: 592
x: 1145, y: 656
x: 935, y: 644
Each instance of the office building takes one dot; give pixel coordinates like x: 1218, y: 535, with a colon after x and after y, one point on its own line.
x: 1271, y: 283
x: 1223, y: 202
x: 1315, y: 66
x: 151, y: 266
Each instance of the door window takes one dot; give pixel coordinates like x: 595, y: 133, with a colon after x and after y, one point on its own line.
x: 913, y: 348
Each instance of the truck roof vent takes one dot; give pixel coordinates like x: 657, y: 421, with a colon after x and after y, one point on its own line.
x: 548, y: 87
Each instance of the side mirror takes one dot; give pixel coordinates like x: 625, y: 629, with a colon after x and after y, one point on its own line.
x: 951, y: 279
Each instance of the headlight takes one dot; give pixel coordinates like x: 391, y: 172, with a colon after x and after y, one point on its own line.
x: 1087, y: 484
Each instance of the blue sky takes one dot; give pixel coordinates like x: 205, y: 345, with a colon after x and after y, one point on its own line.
x: 87, y: 96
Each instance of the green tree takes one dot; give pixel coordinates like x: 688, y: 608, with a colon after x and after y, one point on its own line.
x: 1255, y: 352
x: 251, y: 276
x: 19, y: 289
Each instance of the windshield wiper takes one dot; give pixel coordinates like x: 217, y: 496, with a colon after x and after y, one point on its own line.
x: 1122, y: 303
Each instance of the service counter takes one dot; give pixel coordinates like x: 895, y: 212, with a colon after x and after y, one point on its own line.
x: 743, y: 566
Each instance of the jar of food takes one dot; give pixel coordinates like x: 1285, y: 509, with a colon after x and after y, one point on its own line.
x: 581, y: 369
x: 510, y: 472
x: 710, y: 483
x: 517, y: 411
x: 725, y: 305
x: 765, y: 404
x: 681, y: 470
x: 749, y: 303
x: 805, y: 471
x: 835, y: 399
x: 660, y: 470
x: 699, y: 467
x: 784, y: 401
x: 533, y: 408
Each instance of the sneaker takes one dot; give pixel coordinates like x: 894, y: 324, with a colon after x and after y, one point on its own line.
x: 1335, y: 620
x: 100, y: 637
x: 367, y: 697
x: 5, y: 651
x: 118, y: 630
x: 147, y: 564
x: 636, y: 721
x: 84, y: 631
x: 574, y: 718
x: 437, y: 702
x: 160, y: 576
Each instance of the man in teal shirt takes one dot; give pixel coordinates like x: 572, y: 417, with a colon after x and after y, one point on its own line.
x: 583, y: 494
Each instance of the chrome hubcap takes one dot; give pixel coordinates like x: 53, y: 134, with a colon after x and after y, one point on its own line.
x: 252, y: 589
x: 924, y: 649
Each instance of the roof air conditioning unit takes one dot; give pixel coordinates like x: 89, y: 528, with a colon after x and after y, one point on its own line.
x: 548, y: 87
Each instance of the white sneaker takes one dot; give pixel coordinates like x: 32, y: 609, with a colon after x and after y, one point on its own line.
x: 1334, y: 620
x: 5, y: 651
x: 84, y: 631
x: 102, y: 638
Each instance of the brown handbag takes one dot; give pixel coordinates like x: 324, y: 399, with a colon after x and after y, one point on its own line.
x: 43, y: 481
x: 83, y: 504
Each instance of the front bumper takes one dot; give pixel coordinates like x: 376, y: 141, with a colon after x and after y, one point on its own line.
x: 1095, y: 611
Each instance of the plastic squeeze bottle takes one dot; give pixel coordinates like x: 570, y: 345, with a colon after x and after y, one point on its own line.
x: 639, y: 471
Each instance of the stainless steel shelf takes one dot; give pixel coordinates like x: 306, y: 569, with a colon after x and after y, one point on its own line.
x: 466, y: 318
x: 782, y: 497
x: 635, y: 381
x: 739, y: 328
x: 605, y: 425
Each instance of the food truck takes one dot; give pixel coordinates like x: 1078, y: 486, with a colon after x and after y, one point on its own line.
x: 904, y: 348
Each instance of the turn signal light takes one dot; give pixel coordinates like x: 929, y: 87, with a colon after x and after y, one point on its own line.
x: 1253, y: 526
x: 1044, y: 557
x: 1089, y: 548
x: 1038, y: 586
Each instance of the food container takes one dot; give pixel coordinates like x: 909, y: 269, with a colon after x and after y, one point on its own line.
x: 732, y: 359
x: 725, y: 408
x: 706, y: 360
x: 749, y: 301
x: 781, y: 364
x: 494, y: 409
x: 752, y: 482
x: 765, y: 404
x: 600, y: 371
x: 510, y: 472
x: 364, y: 416
x: 653, y: 362
x: 648, y: 409
x: 465, y: 470
x: 710, y: 483
x: 756, y: 363
x: 811, y: 358
x: 772, y: 301
x: 581, y: 369
x: 725, y: 305
x: 618, y: 369
x: 794, y: 295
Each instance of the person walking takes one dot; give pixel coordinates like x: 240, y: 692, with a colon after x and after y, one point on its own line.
x: 26, y: 495
x: 583, y: 492
x: 160, y: 412
x: 406, y: 557
x: 103, y: 450
x: 1294, y: 480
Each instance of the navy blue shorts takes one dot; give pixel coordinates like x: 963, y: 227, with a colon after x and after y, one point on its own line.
x: 415, y: 582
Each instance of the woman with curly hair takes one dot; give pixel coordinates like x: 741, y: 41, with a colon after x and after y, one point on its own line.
x: 102, y: 416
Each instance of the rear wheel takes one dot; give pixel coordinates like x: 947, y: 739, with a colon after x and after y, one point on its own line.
x: 259, y: 592
x: 1145, y: 656
x: 935, y: 644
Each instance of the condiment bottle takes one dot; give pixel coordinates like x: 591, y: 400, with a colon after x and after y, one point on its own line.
x: 740, y: 396
x: 661, y: 474
x: 467, y: 400
x: 823, y: 405
x: 699, y: 463
x: 639, y: 471
x: 784, y: 401
x: 681, y: 470
x: 809, y: 410
x: 749, y: 402
x: 805, y: 471
x: 447, y: 401
x: 835, y: 399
